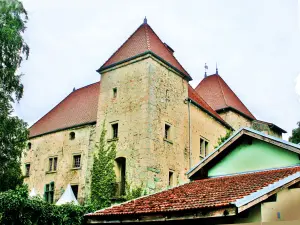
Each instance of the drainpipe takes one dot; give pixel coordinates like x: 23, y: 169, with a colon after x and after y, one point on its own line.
x: 190, y: 148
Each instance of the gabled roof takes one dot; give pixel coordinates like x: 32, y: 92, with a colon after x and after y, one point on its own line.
x: 245, y: 131
x: 237, y: 191
x: 214, y: 90
x: 271, y: 125
x: 78, y: 108
x: 204, y: 106
x: 144, y: 40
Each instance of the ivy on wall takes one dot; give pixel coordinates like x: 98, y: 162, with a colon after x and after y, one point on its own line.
x: 221, y: 139
x: 103, y: 186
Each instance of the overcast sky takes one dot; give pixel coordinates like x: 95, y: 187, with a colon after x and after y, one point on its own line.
x: 255, y: 42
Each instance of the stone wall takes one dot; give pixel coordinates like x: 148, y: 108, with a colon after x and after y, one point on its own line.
x: 149, y: 95
x: 59, y: 145
x: 235, y: 120
x: 205, y: 127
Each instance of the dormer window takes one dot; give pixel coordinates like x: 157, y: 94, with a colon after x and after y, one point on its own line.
x: 72, y: 136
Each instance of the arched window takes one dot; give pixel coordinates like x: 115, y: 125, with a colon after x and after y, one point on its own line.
x: 121, y: 175
x: 29, y: 145
x: 72, y: 136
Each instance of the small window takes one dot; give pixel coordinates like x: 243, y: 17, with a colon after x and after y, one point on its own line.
x: 114, y: 130
x: 75, y: 190
x: 72, y: 136
x: 76, y: 161
x: 203, y: 148
x: 29, y: 145
x: 27, y: 170
x: 167, y: 131
x: 49, y: 192
x: 115, y: 92
x: 52, y: 164
x: 171, y: 178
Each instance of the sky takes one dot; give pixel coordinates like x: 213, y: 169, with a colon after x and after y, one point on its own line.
x: 255, y: 43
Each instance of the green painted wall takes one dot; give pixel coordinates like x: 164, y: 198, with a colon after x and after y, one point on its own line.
x: 260, y: 155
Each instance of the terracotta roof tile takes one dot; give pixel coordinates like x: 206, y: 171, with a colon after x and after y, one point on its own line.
x: 79, y: 107
x: 144, y: 40
x: 210, y: 192
x: 193, y: 95
x: 214, y: 90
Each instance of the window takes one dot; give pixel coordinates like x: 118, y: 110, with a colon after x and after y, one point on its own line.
x: 72, y: 136
x: 121, y: 176
x: 52, y: 164
x: 49, y: 192
x: 29, y: 145
x: 167, y: 131
x: 203, y: 147
x: 114, y: 130
x: 75, y: 190
x: 76, y: 161
x: 171, y: 179
x: 115, y: 91
x: 27, y: 169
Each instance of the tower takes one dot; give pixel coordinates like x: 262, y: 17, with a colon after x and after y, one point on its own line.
x: 142, y: 93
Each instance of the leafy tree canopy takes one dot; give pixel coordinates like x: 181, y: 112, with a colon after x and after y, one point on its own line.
x: 13, y: 50
x: 295, y: 138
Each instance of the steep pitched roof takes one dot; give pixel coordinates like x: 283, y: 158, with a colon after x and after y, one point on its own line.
x: 200, y: 102
x: 144, y: 40
x: 214, y: 90
x: 235, y: 190
x: 225, y: 147
x: 79, y: 107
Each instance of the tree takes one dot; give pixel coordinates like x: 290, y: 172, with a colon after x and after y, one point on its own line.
x: 295, y: 138
x: 13, y: 131
x: 103, y: 175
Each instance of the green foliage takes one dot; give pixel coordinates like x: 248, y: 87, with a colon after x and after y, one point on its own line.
x: 103, y: 187
x: 17, y: 208
x: 13, y: 132
x: 132, y: 193
x: 221, y: 139
x: 295, y: 138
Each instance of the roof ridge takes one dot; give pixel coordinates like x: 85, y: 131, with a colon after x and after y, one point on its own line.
x: 235, y: 95
x: 218, y: 77
x: 120, y: 47
x: 147, y: 38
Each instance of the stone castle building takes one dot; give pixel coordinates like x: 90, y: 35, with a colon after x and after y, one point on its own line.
x: 161, y: 125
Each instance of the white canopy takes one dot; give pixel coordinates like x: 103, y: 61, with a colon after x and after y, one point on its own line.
x: 32, y: 193
x: 67, y: 197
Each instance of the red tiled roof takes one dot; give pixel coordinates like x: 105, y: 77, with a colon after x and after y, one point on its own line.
x: 193, y: 95
x: 207, y: 193
x: 214, y: 90
x: 144, y: 40
x: 79, y: 107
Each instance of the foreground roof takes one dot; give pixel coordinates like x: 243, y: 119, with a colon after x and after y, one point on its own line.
x: 214, y: 90
x: 78, y: 108
x: 144, y: 40
x: 232, y: 140
x: 236, y: 190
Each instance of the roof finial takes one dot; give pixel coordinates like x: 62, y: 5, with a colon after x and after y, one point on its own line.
x: 206, y: 68
x: 74, y: 89
x: 217, y: 71
x: 145, y: 20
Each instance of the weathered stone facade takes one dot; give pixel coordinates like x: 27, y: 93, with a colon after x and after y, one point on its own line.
x: 142, y: 96
x: 58, y: 144
x: 236, y: 120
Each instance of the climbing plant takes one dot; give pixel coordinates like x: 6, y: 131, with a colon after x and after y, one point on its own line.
x: 222, y: 139
x: 103, y: 186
